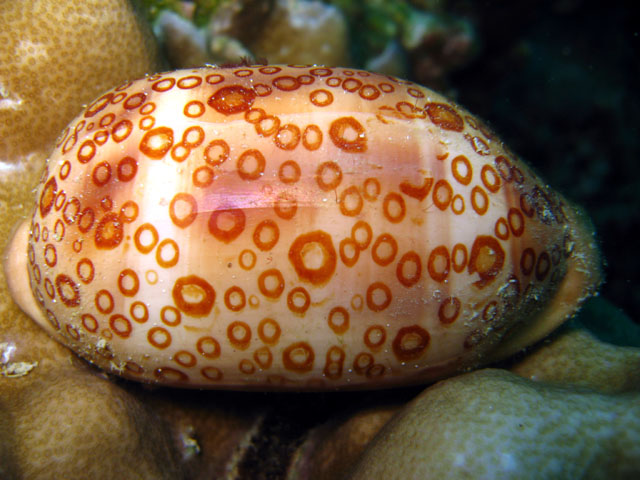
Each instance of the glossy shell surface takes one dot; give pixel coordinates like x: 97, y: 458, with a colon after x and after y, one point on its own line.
x: 288, y: 227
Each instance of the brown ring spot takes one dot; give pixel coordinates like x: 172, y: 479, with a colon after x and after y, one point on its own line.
x: 85, y: 270
x: 479, y: 200
x: 129, y: 211
x: 442, y: 194
x: 120, y: 325
x: 288, y: 137
x: 170, y: 316
x: 86, y: 151
x: 89, y: 323
x: 247, y: 259
x: 543, y: 265
x: 159, y: 337
x: 128, y: 282
x: 374, y: 304
x: 285, y: 206
x: 501, y: 229
x: 239, y: 334
x: 50, y: 255
x: 193, y: 295
x: 127, y: 169
x: 286, y: 83
x: 328, y: 176
x: 389, y: 244
x: 263, y: 357
x: 266, y: 235
x: 417, y: 192
x: 141, y: 235
x: 490, y: 178
x: 371, y: 189
x: 183, y: 209
x: 232, y: 99
x: 444, y: 116
x: 312, y: 137
x: 409, y: 258
x: 257, y: 169
x: 157, y: 142
x: 193, y: 109
x: 121, y: 131
x: 394, y: 207
x: 109, y: 232
x: 275, y: 280
x: 461, y: 169
x: 216, y: 152
x: 410, y: 343
x: 47, y: 197
x: 439, y: 263
x: 459, y: 256
x: 232, y: 220
x: 349, y: 252
x: 338, y: 320
x: 313, y: 257
x: 202, y: 177
x: 486, y: 258
x: 139, y: 312
x: 375, y: 336
x: 208, y: 347
x: 527, y: 261
x: 516, y: 222
x: 449, y: 310
x: 334, y: 363
x: 168, y: 253
x: 269, y: 331
x: 294, y: 303
x: 348, y: 135
x: 235, y: 299
x: 350, y: 201
x: 362, y: 362
x: 298, y: 357
x: 358, y: 230
x: 289, y: 172
x: 104, y: 301
x: 185, y: 358
x: 68, y: 290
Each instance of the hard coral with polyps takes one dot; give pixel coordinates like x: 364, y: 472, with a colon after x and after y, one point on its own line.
x: 278, y: 227
x: 493, y: 424
x: 47, y: 73
x: 83, y: 426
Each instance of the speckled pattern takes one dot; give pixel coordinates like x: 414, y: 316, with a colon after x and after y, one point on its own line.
x: 289, y: 227
x: 492, y: 424
x: 47, y: 74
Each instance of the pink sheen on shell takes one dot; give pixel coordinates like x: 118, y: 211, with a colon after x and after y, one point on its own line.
x: 289, y: 227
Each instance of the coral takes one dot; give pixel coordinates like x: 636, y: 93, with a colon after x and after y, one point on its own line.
x: 303, y: 32
x: 47, y: 73
x: 494, y: 424
x: 575, y: 356
x: 82, y: 426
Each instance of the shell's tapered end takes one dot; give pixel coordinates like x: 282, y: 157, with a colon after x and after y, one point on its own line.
x: 582, y: 280
x: 15, y: 270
